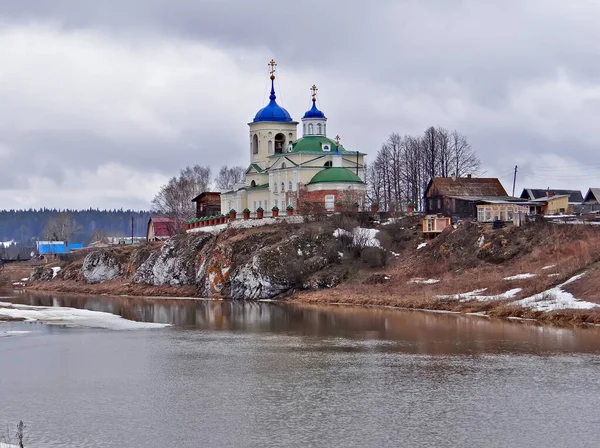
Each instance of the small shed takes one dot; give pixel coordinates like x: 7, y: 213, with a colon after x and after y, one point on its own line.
x: 160, y: 228
x: 433, y: 224
x: 208, y: 203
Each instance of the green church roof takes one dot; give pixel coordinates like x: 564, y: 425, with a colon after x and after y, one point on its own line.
x: 313, y: 144
x: 337, y: 175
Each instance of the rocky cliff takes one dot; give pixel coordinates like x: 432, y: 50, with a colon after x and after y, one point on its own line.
x: 238, y: 263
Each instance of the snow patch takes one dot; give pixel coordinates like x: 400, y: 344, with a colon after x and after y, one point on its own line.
x: 6, y: 244
x: 248, y: 223
x: 423, y: 281
x: 55, y: 271
x: 360, y: 236
x: 476, y: 295
x: 553, y: 275
x: 73, y: 316
x: 548, y: 267
x: 481, y: 241
x: 519, y: 277
x: 556, y: 299
x: 421, y: 246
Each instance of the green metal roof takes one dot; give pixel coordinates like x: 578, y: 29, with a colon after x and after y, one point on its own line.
x: 312, y: 145
x: 338, y: 175
x: 258, y: 187
x: 256, y: 167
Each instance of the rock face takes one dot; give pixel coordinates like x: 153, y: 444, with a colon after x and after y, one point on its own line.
x: 241, y: 264
x: 174, y: 263
x: 100, y: 266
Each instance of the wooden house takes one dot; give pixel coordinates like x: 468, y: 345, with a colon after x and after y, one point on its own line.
x: 208, y: 203
x: 591, y: 201
x: 574, y: 199
x: 160, y: 228
x: 458, y: 196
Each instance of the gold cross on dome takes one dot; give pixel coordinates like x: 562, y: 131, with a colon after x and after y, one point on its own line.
x: 337, y: 139
x: 273, y: 64
x: 314, y: 89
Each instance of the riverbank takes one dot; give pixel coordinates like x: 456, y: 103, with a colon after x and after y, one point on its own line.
x: 546, y: 272
x: 550, y: 273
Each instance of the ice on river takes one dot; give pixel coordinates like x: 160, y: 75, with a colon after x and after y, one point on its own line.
x: 73, y: 316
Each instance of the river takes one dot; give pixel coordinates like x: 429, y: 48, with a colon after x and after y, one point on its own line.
x: 232, y: 374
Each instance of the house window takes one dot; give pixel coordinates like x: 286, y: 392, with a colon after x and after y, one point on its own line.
x: 291, y: 202
x: 480, y: 215
x: 290, y: 186
x: 439, y: 203
x: 488, y: 216
x: 329, y: 202
x: 282, y: 187
x: 255, y: 207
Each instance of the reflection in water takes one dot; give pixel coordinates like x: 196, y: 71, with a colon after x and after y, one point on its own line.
x: 421, y: 332
x: 261, y: 374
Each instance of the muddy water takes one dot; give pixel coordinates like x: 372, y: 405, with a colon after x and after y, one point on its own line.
x: 261, y: 374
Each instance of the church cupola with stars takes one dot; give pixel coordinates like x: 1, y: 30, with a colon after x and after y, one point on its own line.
x: 314, y: 121
x: 272, y: 130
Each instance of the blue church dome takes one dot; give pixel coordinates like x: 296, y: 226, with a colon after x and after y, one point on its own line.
x: 272, y: 111
x: 314, y: 112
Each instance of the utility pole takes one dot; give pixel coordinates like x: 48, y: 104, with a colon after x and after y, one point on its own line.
x: 515, y: 180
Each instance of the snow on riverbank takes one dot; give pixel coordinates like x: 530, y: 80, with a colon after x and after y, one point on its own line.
x: 73, y: 316
x: 519, y: 277
x: 556, y: 299
x: 476, y: 295
x: 424, y: 281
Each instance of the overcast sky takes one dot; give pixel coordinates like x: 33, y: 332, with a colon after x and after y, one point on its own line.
x: 102, y: 101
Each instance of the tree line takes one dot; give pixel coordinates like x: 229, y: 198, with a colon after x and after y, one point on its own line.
x: 174, y: 199
x: 405, y: 164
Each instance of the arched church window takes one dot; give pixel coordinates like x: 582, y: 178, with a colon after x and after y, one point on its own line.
x: 253, y: 183
x: 283, y: 166
x: 324, y: 128
x: 275, y: 187
x: 310, y: 129
x: 290, y: 186
x: 282, y: 187
x: 327, y: 164
x: 255, y: 144
x: 303, y: 128
x: 279, y: 142
x: 270, y: 146
x: 319, y: 128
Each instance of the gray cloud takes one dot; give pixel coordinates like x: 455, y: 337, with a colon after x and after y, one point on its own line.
x: 144, y: 88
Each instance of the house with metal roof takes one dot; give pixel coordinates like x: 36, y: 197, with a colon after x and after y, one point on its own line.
x: 591, y: 201
x: 575, y: 198
x: 160, y: 228
x: 285, y: 170
x: 458, y: 196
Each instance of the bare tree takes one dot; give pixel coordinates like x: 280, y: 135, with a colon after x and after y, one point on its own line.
x: 61, y: 227
x: 175, y: 198
x: 405, y: 164
x: 464, y: 159
x: 228, y: 177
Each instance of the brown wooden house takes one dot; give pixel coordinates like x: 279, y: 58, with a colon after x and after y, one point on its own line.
x: 208, y: 203
x: 458, y: 196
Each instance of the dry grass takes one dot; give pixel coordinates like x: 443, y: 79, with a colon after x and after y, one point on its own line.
x: 571, y: 249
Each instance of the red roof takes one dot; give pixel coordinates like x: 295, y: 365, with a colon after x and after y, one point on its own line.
x: 163, y: 227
